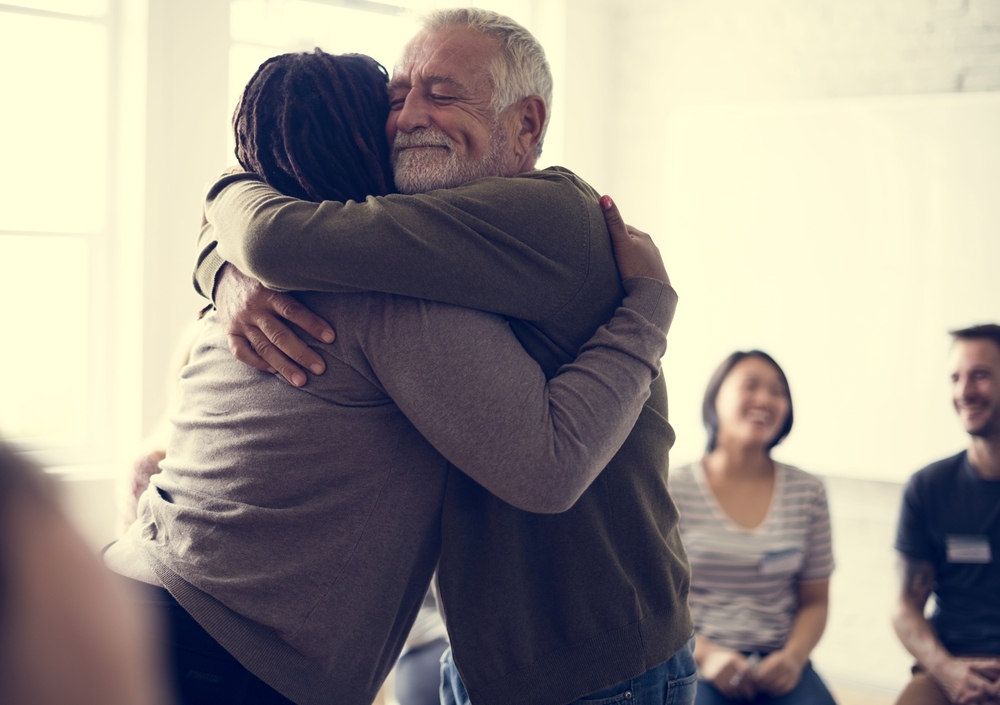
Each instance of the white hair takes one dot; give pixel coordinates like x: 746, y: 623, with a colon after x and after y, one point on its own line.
x: 520, y: 70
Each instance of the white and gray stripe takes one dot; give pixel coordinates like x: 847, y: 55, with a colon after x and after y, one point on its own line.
x: 744, y: 581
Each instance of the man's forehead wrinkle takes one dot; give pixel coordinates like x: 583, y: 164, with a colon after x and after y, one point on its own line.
x: 445, y: 80
x: 428, y: 53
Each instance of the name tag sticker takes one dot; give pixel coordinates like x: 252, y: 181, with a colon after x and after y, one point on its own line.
x: 968, y: 548
x: 787, y: 561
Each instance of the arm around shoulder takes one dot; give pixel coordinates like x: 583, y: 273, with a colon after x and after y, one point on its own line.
x: 514, y: 246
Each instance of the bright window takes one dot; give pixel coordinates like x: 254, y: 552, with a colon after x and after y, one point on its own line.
x: 53, y: 224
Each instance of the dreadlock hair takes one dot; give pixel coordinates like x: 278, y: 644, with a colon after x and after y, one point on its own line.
x: 313, y: 126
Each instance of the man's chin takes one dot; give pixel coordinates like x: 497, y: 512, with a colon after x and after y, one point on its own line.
x: 411, y: 180
x: 408, y: 184
x: 988, y: 429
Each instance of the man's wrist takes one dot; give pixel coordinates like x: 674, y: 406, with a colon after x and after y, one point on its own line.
x: 936, y: 664
x: 796, y: 656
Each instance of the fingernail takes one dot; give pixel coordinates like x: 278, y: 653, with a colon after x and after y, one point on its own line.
x: 317, y: 369
x: 298, y: 379
x: 606, y: 202
x: 327, y: 336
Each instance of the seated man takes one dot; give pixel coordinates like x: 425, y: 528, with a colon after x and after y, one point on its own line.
x: 949, y: 542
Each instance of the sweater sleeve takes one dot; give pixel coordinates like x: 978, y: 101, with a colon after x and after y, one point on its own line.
x: 514, y: 246
x: 466, y: 384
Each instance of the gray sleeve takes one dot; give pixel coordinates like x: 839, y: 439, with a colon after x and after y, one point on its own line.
x: 469, y: 387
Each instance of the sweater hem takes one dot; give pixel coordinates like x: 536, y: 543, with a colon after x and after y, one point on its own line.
x: 256, y: 647
x: 605, y: 660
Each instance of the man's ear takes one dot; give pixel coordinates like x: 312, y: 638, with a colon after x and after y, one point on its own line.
x: 532, y: 115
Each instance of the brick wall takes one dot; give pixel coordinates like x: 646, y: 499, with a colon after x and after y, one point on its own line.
x: 787, y: 49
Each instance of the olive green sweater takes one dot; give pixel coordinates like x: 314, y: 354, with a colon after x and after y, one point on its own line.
x: 541, y: 609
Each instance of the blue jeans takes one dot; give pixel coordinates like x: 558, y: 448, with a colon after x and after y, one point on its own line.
x: 810, y: 691
x: 418, y: 674
x: 671, y: 683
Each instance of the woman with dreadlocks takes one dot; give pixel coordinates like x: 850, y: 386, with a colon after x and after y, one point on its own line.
x: 292, y: 533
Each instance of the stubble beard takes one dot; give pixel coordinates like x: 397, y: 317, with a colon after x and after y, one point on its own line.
x: 989, y: 429
x: 439, y: 165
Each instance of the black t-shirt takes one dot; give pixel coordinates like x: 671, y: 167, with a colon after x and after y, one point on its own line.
x: 951, y: 517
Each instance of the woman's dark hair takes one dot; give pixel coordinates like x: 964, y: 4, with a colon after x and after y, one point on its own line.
x: 710, y: 416
x: 313, y: 126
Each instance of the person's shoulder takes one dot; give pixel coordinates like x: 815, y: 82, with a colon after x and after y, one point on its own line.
x: 682, y: 478
x: 563, y: 177
x: 938, y: 474
x: 801, y: 487
x: 559, y: 174
x: 685, y: 471
x: 799, y: 478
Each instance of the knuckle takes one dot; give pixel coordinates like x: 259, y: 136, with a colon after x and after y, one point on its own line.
x: 286, y: 305
x: 282, y: 337
x: 259, y: 343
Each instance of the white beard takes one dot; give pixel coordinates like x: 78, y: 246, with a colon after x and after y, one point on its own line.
x: 437, y: 164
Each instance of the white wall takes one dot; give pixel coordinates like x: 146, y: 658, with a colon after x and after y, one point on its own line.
x: 186, y: 117
x: 822, y: 187
x: 845, y: 237
x: 801, y: 203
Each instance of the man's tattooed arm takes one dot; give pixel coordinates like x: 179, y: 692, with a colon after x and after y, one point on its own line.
x: 918, y: 581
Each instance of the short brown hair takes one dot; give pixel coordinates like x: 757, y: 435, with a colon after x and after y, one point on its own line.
x: 984, y: 331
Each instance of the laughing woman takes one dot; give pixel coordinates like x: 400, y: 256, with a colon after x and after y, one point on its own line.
x: 758, y: 537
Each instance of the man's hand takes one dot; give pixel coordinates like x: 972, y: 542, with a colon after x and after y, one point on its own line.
x: 142, y: 470
x: 965, y: 682
x: 988, y: 668
x: 635, y: 252
x: 778, y: 673
x: 255, y: 317
x: 730, y: 672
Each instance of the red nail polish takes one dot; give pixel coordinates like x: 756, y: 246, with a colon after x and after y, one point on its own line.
x: 606, y: 202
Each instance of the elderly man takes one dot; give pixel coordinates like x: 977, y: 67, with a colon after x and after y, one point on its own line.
x: 949, y: 544
x: 541, y: 609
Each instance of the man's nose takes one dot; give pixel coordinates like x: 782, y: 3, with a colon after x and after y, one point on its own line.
x: 966, y: 389
x: 414, y: 114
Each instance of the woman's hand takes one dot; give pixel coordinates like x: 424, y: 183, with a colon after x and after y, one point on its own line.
x: 779, y: 672
x: 730, y: 672
x: 635, y: 252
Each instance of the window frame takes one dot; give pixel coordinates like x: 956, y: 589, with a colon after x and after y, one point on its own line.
x: 95, y: 447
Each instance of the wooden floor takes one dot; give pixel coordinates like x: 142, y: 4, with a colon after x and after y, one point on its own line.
x: 847, y: 695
